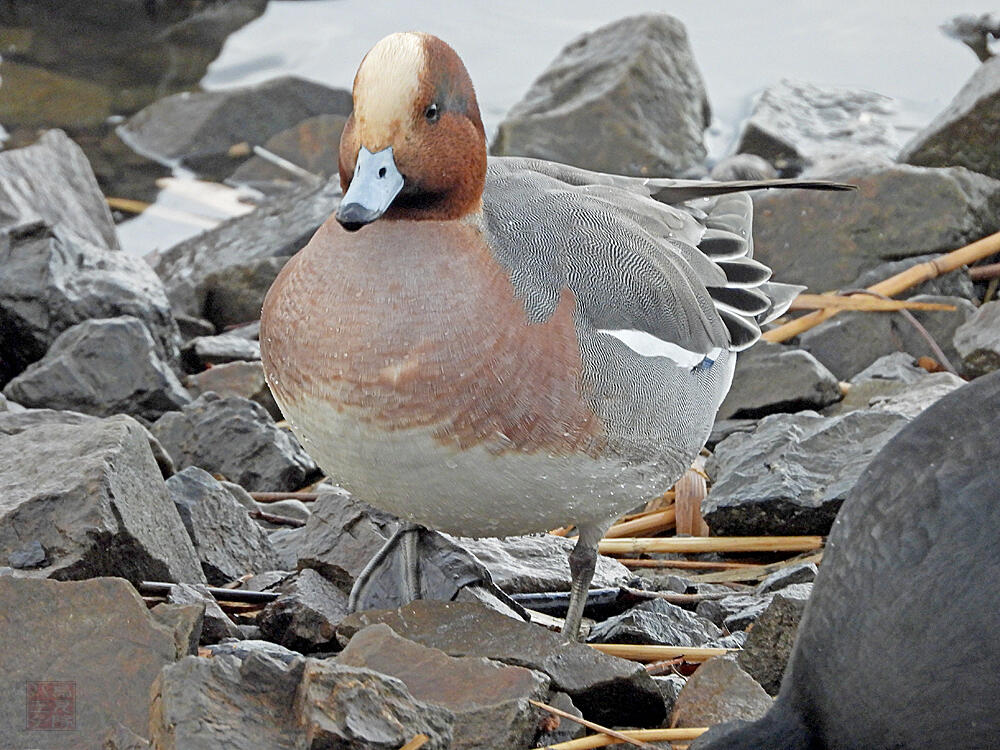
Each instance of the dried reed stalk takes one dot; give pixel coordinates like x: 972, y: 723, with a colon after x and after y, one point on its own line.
x: 647, y: 735
x: 632, y: 562
x: 690, y: 490
x: 644, y: 525
x: 635, y: 652
x: 694, y: 545
x: 868, y: 304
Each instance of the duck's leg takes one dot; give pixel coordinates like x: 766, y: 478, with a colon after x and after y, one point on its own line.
x: 582, y: 562
x: 405, y: 537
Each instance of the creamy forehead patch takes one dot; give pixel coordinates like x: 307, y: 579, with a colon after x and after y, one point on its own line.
x: 387, y: 83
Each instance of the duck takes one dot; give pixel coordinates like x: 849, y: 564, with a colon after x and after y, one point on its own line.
x: 496, y: 346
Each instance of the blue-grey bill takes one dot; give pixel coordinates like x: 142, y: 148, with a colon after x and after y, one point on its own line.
x: 376, y: 182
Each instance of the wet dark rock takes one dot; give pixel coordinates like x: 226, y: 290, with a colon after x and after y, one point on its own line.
x: 794, y: 124
x: 792, y: 473
x: 656, y: 622
x: 826, y: 240
x: 226, y: 701
x: 185, y: 620
x: 191, y: 327
x: 766, y: 652
x: 967, y: 132
x: 606, y: 689
x: 799, y: 573
x: 15, y: 421
x: 95, y: 635
x: 352, y: 707
x: 241, y: 249
x: 537, y: 563
x: 228, y: 542
x: 305, y: 616
x: 51, y: 183
x: 102, y: 367
x: 772, y: 378
x: 952, y: 284
x: 204, y: 351
x: 636, y: 75
x: 341, y: 536
x: 197, y: 130
x: 311, y: 145
x: 851, y: 341
x: 93, y: 497
x: 216, y: 624
x: 238, y: 439
x: 489, y: 700
x: 244, y: 379
x: 556, y: 729
x: 718, y: 691
x: 236, y: 292
x: 977, y: 341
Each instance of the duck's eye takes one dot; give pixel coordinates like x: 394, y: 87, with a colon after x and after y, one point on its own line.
x: 432, y: 113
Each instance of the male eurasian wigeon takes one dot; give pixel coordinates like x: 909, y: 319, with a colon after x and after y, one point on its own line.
x: 492, y: 347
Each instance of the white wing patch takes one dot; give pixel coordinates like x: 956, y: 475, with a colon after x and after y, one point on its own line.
x: 647, y: 345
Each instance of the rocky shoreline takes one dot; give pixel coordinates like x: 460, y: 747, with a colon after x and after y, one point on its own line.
x: 139, y: 442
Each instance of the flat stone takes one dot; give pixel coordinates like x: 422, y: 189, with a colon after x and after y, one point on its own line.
x: 243, y: 649
x: 304, y: 618
x: 198, y: 129
x: 216, y: 624
x: 185, y: 620
x: 636, y: 75
x: 226, y: 701
x: 31, y: 555
x: 799, y: 573
x: 229, y: 544
x: 51, y: 183
x: 966, y: 133
x: 538, y: 563
x: 606, y: 689
x: 977, y: 341
x: 769, y: 644
x: 719, y: 691
x: 352, y: 707
x: 93, y: 637
x: 772, y: 378
x: 205, y: 351
x: 745, y: 617
x: 656, y: 622
x: 791, y: 475
x: 51, y: 279
x: 93, y: 497
x: 794, y: 124
x: 102, y: 367
x: 489, y: 700
x: 826, y: 240
x: 238, y: 439
x: 912, y: 400
x: 239, y: 249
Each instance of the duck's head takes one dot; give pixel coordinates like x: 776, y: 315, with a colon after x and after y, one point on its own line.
x: 414, y: 147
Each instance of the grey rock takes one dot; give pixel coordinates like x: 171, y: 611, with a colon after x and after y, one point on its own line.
x: 898, y: 366
x: 952, y: 284
x: 191, y: 327
x: 227, y: 541
x: 245, y: 648
x: 51, y: 183
x: 50, y: 280
x: 604, y: 688
x: 799, y: 573
x: 93, y: 497
x: 123, y: 738
x: 293, y: 509
x: 237, y: 291
x: 94, y: 636
x: 359, y: 709
x: 305, y: 616
x: 967, y: 132
x: 670, y: 687
x: 217, y: 350
x: 743, y: 167
x: 240, y: 495
x: 794, y: 124
x: 915, y: 398
x: 772, y: 378
x: 341, y: 536
x: 227, y: 701
x: 718, y: 691
x: 102, y: 367
x: 267, y: 580
x: 655, y: 622
x: 6, y: 405
x: 216, y: 624
x: 193, y: 270
x: 288, y: 542
x: 537, y: 563
x: 769, y: 645
x: 895, y: 383
x: 826, y: 240
x: 31, y: 555
x: 198, y: 129
x: 977, y: 341
x: 13, y: 422
x: 636, y: 76
x: 555, y: 729
x: 791, y: 474
x: 723, y: 428
x: 736, y: 639
x: 851, y: 341
x: 489, y: 700
x: 238, y: 439
x: 185, y: 620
